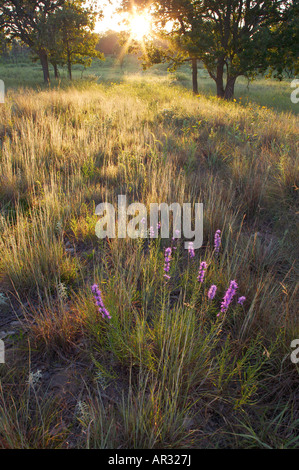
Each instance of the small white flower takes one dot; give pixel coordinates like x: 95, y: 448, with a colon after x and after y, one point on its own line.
x: 3, y: 299
x: 101, y: 380
x: 62, y: 291
x: 82, y: 411
x: 34, y: 378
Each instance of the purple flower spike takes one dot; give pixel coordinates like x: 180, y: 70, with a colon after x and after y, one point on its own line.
x: 151, y: 232
x: 241, y: 300
x: 231, y: 291
x: 217, y: 241
x: 191, y: 251
x: 202, y: 271
x: 174, y: 239
x: 99, y: 301
x: 212, y: 292
x: 167, y: 259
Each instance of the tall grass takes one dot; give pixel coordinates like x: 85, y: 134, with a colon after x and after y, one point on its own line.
x: 165, y: 371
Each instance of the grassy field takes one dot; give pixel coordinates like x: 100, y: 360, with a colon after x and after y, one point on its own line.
x: 165, y: 371
x: 264, y: 92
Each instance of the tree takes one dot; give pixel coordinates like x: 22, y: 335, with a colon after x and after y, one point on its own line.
x: 284, y: 43
x: 4, y: 45
x: 57, y: 31
x: 72, y: 38
x: 109, y: 43
x: 230, y: 37
x: 156, y: 52
x: 26, y: 20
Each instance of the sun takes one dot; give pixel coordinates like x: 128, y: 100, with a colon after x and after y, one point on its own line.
x: 140, y: 26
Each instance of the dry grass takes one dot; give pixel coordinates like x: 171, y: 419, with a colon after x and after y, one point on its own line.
x: 165, y: 359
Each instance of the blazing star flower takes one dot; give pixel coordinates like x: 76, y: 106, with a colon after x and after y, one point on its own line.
x: 191, y: 251
x: 217, y: 240
x: 158, y: 225
x: 241, y: 300
x: 233, y: 286
x: 177, y: 234
x: 202, y: 271
x: 99, y: 301
x: 167, y: 259
x: 212, y: 292
x: 151, y: 232
x: 142, y: 227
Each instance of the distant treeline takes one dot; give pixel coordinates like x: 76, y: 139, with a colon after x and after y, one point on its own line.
x: 17, y: 52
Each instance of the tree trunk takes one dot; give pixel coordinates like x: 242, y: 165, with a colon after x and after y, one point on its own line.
x: 69, y: 67
x: 219, y: 80
x: 194, y: 76
x: 230, y: 87
x: 55, y: 70
x: 45, y: 65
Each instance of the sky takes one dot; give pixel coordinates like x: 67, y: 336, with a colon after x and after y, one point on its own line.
x: 139, y: 24
x: 111, y: 18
